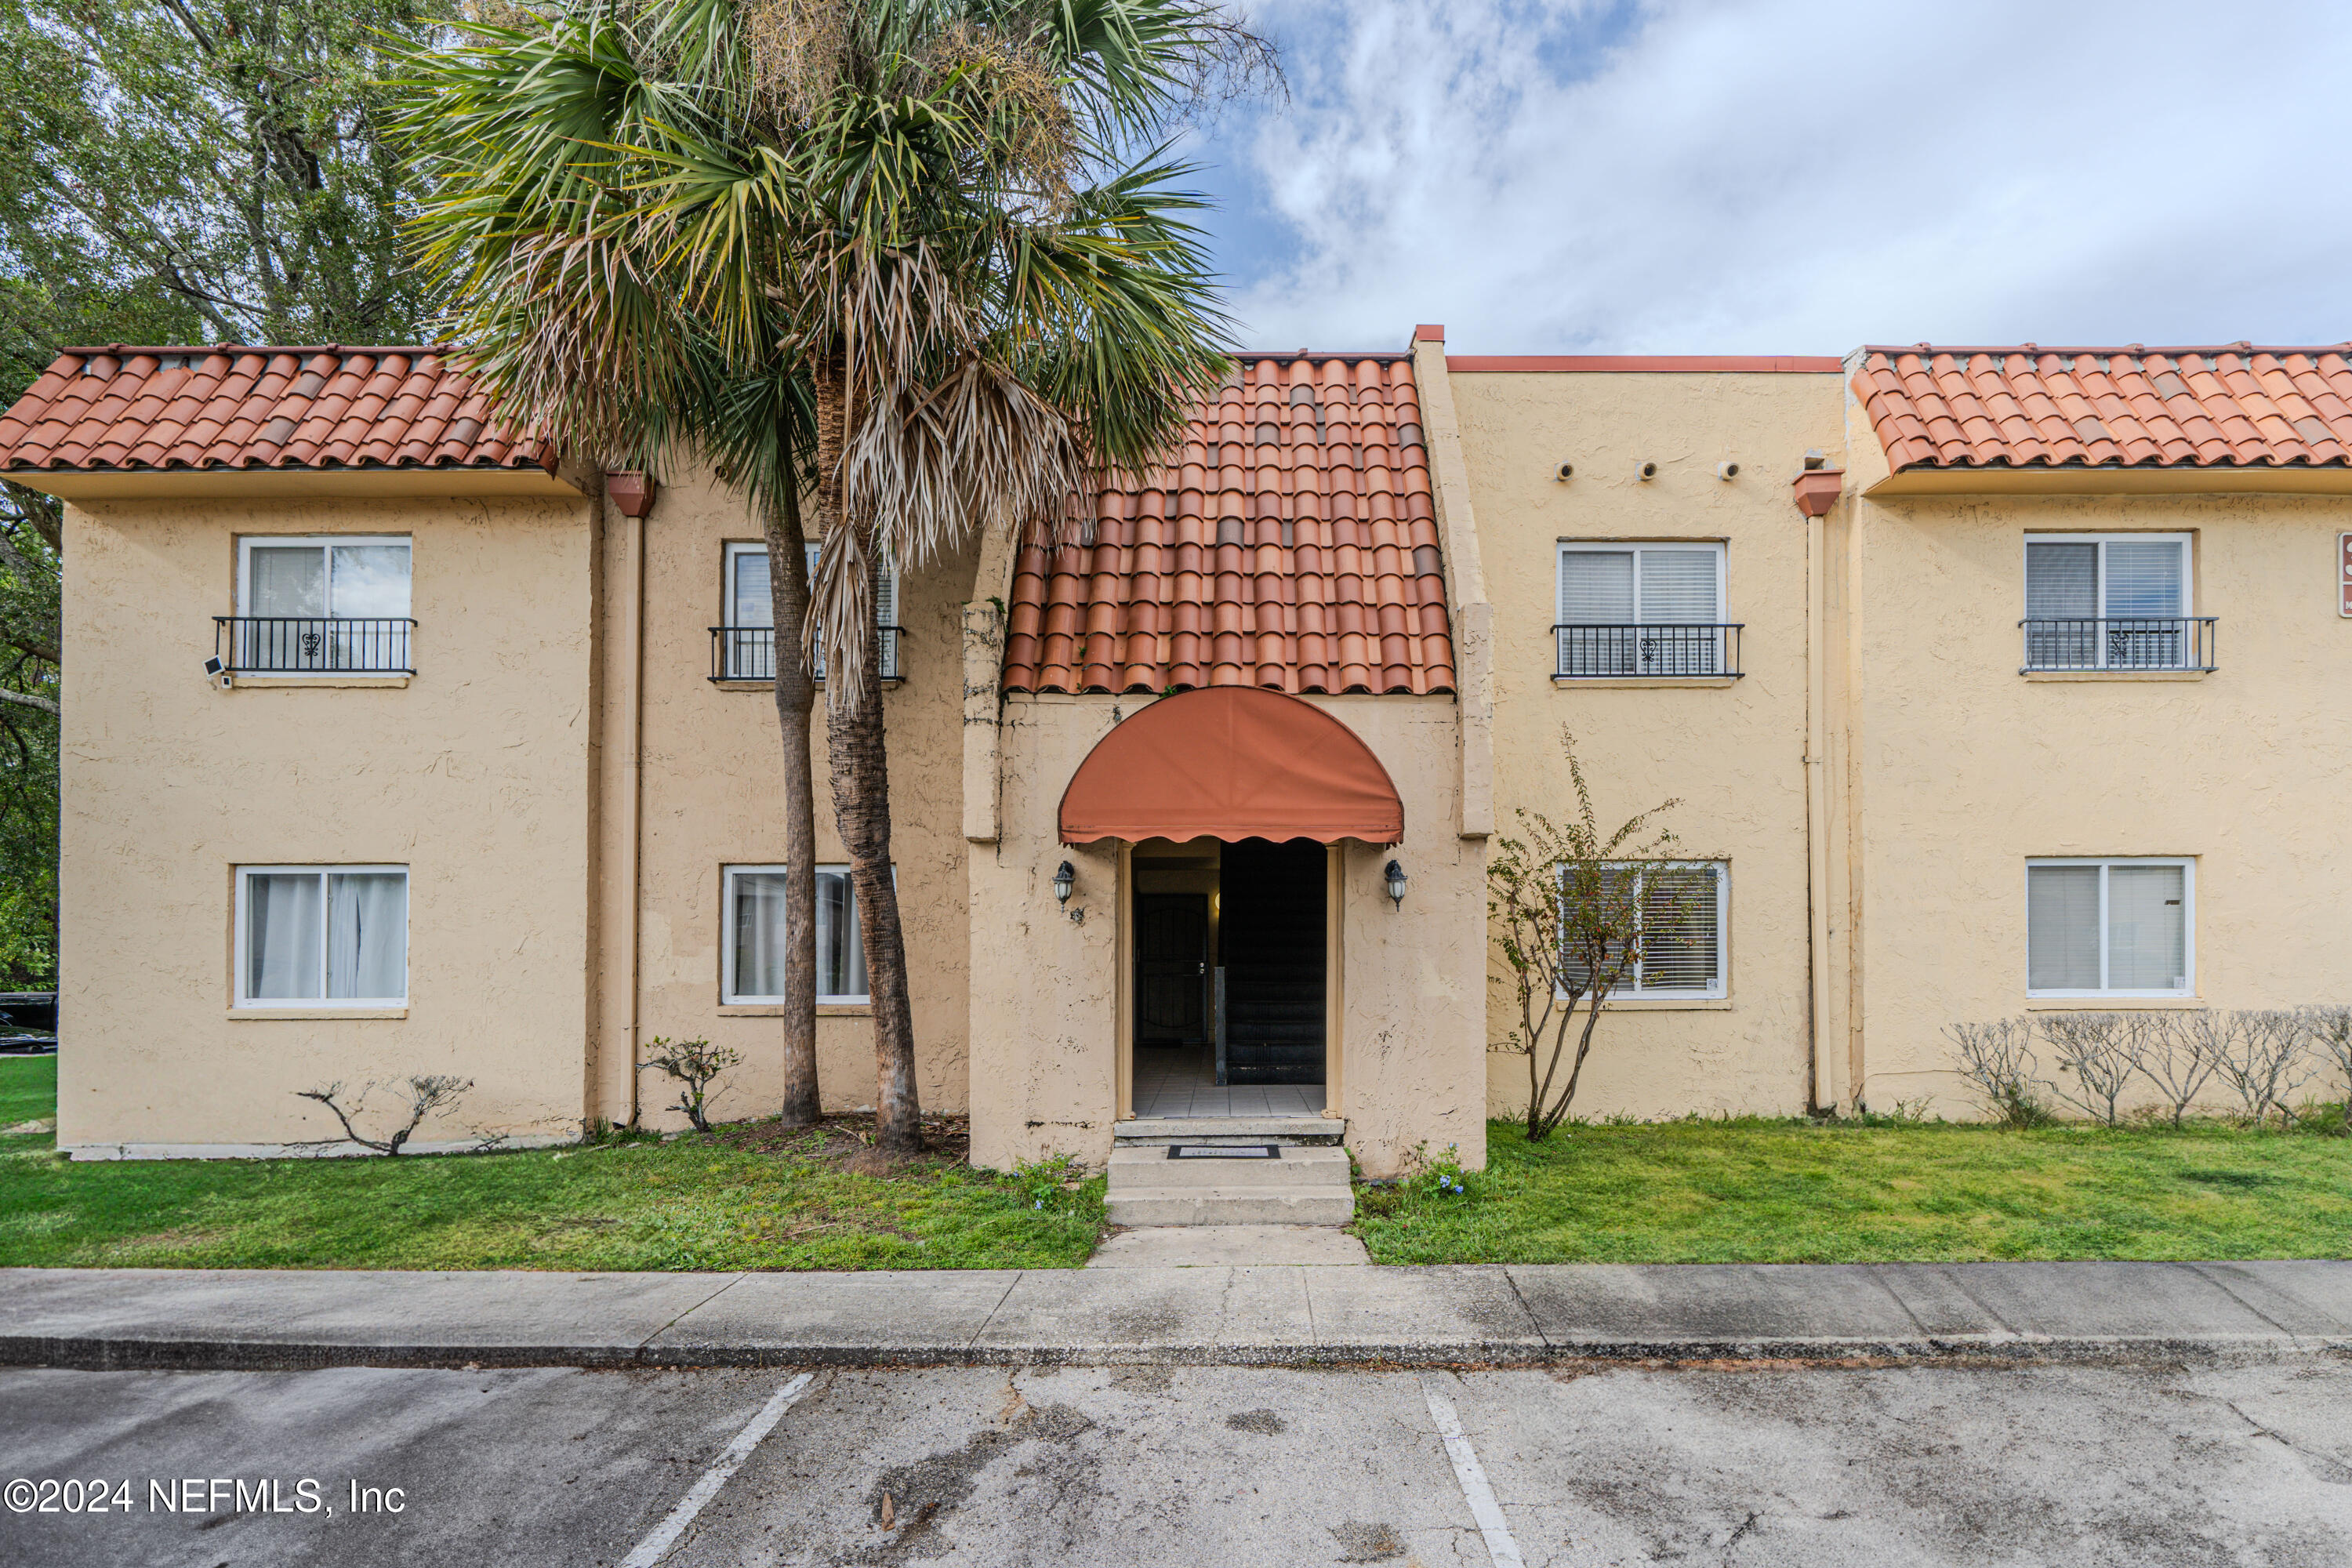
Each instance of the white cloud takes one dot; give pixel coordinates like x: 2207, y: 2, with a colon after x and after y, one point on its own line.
x: 1794, y: 175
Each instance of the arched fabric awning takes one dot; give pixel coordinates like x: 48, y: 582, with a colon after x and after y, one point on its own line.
x: 1232, y: 762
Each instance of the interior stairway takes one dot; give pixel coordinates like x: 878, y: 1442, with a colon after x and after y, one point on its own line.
x: 1165, y: 1170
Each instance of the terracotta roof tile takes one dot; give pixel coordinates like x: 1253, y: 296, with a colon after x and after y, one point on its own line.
x: 233, y: 407
x: 2232, y: 407
x: 1290, y: 542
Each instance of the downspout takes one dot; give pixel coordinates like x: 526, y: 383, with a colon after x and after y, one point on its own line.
x: 1815, y: 491
x: 633, y: 494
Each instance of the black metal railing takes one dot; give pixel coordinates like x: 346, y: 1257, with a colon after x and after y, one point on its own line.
x: 1587, y: 652
x: 313, y: 645
x: 2119, y: 642
x: 748, y: 653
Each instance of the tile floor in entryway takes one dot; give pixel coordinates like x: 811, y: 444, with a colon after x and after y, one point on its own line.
x: 1181, y: 1080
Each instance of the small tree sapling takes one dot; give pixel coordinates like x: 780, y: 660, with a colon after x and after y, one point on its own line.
x: 1574, y: 909
x: 696, y: 1065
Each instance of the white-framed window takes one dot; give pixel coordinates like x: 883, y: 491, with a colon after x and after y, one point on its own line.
x: 314, y: 935
x: 2120, y: 601
x: 750, y: 651
x: 325, y: 603
x: 1683, y: 910
x: 754, y: 949
x: 1642, y: 609
x: 2110, y: 928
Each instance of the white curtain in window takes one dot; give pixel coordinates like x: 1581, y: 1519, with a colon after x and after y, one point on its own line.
x: 840, y: 948
x: 367, y: 936
x: 760, y: 935
x: 2147, y: 934
x: 285, y: 580
x: 2061, y: 927
x: 282, y: 911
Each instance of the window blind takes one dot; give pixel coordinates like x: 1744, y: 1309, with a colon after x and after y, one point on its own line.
x: 2144, y: 577
x: 1678, y: 586
x: 1679, y: 913
x: 2062, y: 581
x: 2146, y: 932
x: 1681, y: 948
x: 2061, y: 927
x: 1596, y: 587
x: 2120, y: 926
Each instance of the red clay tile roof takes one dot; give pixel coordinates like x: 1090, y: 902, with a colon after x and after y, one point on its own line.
x: 2233, y: 407
x: 230, y: 407
x: 1292, y: 545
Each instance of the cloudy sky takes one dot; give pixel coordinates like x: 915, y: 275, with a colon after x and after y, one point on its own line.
x: 1790, y: 176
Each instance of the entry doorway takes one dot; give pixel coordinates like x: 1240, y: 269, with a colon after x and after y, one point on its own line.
x: 1231, y: 949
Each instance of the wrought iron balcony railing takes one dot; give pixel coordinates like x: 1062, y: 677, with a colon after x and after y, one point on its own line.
x: 313, y: 645
x: 748, y: 653
x: 2119, y: 642
x: 1590, y: 652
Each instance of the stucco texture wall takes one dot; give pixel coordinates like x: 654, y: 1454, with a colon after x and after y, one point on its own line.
x: 712, y: 797
x: 475, y: 775
x: 1965, y: 768
x: 1045, y: 995
x: 1733, y: 753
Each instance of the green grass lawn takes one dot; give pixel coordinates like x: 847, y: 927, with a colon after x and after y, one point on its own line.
x: 1755, y: 1191
x: 751, y: 1197
x: 748, y: 1197
x: 28, y: 1089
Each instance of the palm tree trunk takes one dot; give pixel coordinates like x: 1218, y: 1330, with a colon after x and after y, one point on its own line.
x: 860, y: 775
x: 795, y: 701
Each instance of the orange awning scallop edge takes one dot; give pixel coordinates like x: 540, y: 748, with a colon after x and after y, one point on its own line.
x: 1232, y: 762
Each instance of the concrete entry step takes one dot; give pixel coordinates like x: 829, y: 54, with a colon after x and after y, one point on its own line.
x: 1294, y: 1168
x: 1231, y: 1205
x: 1301, y: 1130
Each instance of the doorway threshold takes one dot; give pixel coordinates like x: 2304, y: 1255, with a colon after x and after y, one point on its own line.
x: 1296, y: 1130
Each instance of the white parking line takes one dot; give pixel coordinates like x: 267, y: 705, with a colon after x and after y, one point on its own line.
x: 1500, y: 1547
x: 656, y: 1546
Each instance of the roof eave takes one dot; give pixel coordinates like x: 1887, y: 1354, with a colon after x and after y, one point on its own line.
x: 2335, y: 478
x: 295, y: 483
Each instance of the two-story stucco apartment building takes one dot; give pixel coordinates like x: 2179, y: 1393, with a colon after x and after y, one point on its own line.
x: 1990, y: 681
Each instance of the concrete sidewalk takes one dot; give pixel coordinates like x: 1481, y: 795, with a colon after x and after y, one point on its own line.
x: 1525, y: 1315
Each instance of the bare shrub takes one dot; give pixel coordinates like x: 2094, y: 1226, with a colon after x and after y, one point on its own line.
x: 2093, y: 1050
x: 426, y: 1093
x: 2178, y: 1052
x: 1998, y: 1058
x: 2264, y: 1060
x: 696, y: 1065
x: 2327, y: 1030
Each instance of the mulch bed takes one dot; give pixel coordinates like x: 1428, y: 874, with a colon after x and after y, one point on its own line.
x: 846, y: 1142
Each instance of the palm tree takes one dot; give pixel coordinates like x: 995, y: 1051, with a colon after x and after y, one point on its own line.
x: 572, y: 325
x: 955, y: 220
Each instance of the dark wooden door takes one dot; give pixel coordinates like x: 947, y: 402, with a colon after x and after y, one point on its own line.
x: 1172, y: 969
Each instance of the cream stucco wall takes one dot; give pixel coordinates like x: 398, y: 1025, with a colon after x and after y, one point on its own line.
x: 475, y: 775
x: 1963, y: 768
x: 1046, y: 992
x: 711, y: 797
x: 1733, y: 753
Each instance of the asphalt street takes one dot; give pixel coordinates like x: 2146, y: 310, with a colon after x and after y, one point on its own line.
x: 1073, y: 1466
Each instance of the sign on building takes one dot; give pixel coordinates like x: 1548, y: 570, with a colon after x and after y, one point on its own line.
x: 2343, y: 574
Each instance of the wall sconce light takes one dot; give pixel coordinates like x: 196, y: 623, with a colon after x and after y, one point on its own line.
x: 1395, y: 874
x: 1065, y: 880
